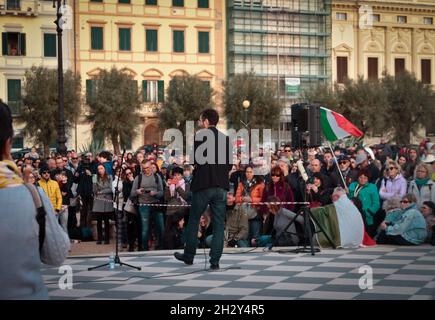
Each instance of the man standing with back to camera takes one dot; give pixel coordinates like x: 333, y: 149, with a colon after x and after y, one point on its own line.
x: 210, y: 184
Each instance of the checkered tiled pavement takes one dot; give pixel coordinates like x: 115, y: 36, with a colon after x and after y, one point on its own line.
x: 398, y: 273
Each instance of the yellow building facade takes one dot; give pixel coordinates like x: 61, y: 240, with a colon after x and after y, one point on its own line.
x: 153, y: 40
x: 370, y: 37
x: 28, y: 38
x: 400, y: 35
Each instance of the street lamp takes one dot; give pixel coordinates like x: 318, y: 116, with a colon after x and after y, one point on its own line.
x: 61, y: 138
x: 246, y: 104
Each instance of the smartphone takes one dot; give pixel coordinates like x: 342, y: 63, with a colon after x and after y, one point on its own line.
x: 94, y: 178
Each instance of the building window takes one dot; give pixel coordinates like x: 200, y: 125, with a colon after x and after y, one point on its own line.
x: 399, y: 65
x: 426, y: 76
x: 151, y: 40
x: 89, y: 90
x: 401, y: 19
x: 14, y: 96
x: 49, y: 45
x: 203, y: 4
x: 13, y: 5
x: 203, y: 42
x: 427, y: 20
x: 124, y: 39
x: 178, y: 41
x: 153, y: 91
x: 372, y: 64
x: 96, y: 0
x: 376, y: 17
x: 13, y: 44
x: 341, y: 69
x: 151, y: 2
x: 97, y: 38
x: 17, y: 142
x: 124, y: 1
x: 341, y: 16
x: 178, y: 3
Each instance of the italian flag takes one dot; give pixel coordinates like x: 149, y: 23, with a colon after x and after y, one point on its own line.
x: 335, y: 126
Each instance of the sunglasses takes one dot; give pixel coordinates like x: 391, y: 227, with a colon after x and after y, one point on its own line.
x: 391, y: 168
x: 44, y: 172
x: 74, y: 158
x: 275, y: 175
x: 287, y: 150
x: 342, y: 162
x: 404, y: 201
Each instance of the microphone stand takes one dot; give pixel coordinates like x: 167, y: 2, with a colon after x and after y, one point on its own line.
x: 116, y: 200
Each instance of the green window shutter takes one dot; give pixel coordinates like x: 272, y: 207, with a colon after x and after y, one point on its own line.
x: 17, y: 142
x: 14, y: 90
x: 89, y: 89
x: 203, y: 42
x: 22, y: 44
x: 145, y: 90
x: 151, y: 40
x: 203, y: 4
x: 96, y: 38
x: 151, y: 2
x: 124, y: 39
x: 206, y: 84
x: 124, y: 1
x: 161, y: 91
x: 49, y: 45
x: 178, y: 39
x: 5, y: 43
x: 178, y: 3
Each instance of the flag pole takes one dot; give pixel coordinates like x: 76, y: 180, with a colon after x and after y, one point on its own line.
x: 338, y: 167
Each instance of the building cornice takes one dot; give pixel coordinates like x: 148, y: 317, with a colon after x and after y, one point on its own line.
x: 385, y: 6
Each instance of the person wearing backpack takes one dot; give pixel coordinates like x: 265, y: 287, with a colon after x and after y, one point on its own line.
x: 148, y: 188
x: 29, y: 231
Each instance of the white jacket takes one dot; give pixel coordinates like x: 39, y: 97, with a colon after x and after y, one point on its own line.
x: 426, y: 193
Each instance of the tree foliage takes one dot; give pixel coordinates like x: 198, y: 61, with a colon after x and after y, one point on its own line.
x: 395, y: 104
x: 114, y: 104
x: 186, y: 97
x: 264, y: 110
x: 40, y: 104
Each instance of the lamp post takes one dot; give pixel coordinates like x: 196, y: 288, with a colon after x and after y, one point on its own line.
x: 61, y: 138
x: 246, y: 104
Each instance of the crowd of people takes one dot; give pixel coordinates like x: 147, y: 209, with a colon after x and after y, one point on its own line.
x: 394, y: 192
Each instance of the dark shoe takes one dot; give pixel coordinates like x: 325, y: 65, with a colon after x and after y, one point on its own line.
x: 214, y: 267
x: 98, y: 242
x: 181, y: 257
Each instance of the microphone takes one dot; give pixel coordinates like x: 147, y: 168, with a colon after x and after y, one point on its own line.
x: 302, y: 170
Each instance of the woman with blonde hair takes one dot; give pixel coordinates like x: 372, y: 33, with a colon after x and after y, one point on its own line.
x: 395, y: 184
x: 422, y: 187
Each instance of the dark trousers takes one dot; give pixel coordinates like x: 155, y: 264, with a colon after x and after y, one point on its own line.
x: 103, y: 217
x: 85, y: 211
x: 384, y: 238
x: 133, y: 230
x: 217, y: 199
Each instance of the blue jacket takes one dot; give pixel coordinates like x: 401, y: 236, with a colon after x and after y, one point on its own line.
x: 411, y: 226
x: 369, y: 198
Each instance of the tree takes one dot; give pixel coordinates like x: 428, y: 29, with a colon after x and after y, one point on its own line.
x: 186, y: 97
x: 410, y: 105
x: 114, y: 102
x: 40, y: 100
x: 264, y: 110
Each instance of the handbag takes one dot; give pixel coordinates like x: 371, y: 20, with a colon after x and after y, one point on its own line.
x: 130, y: 207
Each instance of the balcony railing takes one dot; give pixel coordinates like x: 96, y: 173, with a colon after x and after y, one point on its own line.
x: 15, y: 107
x: 13, y: 4
x: 19, y: 7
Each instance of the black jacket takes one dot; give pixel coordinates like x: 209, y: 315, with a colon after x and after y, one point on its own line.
x: 212, y: 175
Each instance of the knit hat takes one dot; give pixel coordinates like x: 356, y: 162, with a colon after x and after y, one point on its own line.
x: 360, y: 159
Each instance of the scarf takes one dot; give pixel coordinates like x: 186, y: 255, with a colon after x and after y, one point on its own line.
x: 182, y: 185
x: 421, y: 182
x: 10, y: 175
x: 248, y: 185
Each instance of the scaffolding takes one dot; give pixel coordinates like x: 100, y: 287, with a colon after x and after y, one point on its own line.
x: 281, y: 39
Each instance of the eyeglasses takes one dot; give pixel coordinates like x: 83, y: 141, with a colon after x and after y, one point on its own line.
x: 404, y: 201
x: 287, y: 150
x: 275, y: 175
